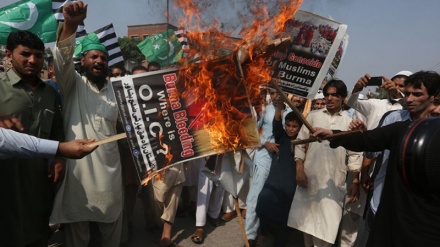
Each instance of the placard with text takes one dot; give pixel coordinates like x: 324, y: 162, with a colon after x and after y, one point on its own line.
x: 168, y: 121
x: 316, y: 51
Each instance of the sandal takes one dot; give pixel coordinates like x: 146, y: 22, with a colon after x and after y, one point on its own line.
x: 198, y: 236
x: 214, y: 222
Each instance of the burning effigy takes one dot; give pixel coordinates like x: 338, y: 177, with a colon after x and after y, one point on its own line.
x: 203, y: 105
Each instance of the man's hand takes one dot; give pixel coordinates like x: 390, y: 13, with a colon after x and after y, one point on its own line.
x: 391, y: 88
x: 301, y: 177
x: 366, y: 182
x: 57, y: 170
x: 357, y: 124
x: 271, y: 147
x: 75, y: 149
x: 353, y: 192
x: 388, y: 84
x: 320, y: 132
x: 9, y: 122
x: 74, y: 14
x: 361, y: 83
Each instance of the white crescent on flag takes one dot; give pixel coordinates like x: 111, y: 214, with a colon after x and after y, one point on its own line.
x: 29, y: 22
x: 170, y: 53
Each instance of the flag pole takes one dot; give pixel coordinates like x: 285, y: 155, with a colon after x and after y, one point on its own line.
x: 240, y: 220
x: 168, y: 25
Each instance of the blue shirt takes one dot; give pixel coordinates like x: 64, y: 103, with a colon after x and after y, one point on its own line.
x: 396, y: 116
x: 265, y: 124
x: 18, y: 145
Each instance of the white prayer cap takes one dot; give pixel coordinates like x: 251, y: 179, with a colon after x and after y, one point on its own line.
x: 402, y: 73
x: 319, y: 95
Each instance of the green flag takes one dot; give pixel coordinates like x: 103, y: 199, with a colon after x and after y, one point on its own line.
x: 163, y: 48
x: 35, y: 16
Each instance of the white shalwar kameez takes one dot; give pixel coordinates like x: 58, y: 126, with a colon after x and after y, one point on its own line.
x: 317, y: 209
x: 92, y: 187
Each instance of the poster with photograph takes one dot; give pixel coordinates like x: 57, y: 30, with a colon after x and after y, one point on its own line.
x: 170, y: 117
x: 316, y: 51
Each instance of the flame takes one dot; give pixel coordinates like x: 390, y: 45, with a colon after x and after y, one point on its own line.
x: 210, y: 82
x: 159, y: 174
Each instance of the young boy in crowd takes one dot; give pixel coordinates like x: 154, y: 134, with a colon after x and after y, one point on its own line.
x: 277, y: 194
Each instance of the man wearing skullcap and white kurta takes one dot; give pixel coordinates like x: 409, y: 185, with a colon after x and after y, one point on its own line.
x: 92, y: 189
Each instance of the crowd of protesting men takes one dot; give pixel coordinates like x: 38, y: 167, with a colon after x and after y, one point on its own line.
x: 329, y: 190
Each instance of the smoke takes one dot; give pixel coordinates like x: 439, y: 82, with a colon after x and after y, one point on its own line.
x: 229, y: 16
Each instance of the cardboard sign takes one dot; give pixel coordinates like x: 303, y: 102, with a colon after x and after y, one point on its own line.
x: 316, y: 51
x: 168, y: 119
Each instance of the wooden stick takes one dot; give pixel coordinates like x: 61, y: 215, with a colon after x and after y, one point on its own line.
x: 294, y: 109
x: 106, y: 140
x: 240, y: 219
x: 241, y: 167
x: 314, y: 139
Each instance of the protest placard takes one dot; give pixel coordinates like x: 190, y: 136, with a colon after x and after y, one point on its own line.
x: 169, y: 116
x: 316, y: 51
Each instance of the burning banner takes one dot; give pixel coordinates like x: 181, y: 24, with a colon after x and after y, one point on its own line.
x: 171, y: 116
x: 316, y: 51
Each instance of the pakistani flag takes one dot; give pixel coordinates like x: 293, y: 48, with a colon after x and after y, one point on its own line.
x: 164, y: 48
x: 35, y: 16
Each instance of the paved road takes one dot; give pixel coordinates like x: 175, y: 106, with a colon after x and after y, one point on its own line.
x: 228, y: 235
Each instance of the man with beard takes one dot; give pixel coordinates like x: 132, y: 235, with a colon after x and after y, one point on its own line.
x: 25, y: 188
x: 92, y: 190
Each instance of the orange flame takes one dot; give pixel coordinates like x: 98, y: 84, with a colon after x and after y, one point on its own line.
x: 159, y: 175
x: 209, y: 82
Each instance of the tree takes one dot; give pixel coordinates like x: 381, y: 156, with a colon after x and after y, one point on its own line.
x: 380, y: 93
x: 129, y: 49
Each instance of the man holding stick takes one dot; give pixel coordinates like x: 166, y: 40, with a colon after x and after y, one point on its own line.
x: 405, y: 216
x: 92, y: 190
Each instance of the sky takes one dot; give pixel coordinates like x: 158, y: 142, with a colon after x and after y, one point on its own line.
x: 385, y: 36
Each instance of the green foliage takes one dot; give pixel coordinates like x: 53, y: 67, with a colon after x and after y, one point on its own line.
x: 380, y: 93
x: 129, y: 49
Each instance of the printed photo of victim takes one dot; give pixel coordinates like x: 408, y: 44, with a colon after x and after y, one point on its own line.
x: 316, y: 50
x: 311, y: 36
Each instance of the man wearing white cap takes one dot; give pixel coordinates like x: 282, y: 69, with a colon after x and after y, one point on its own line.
x: 92, y: 190
x: 318, y: 101
x: 373, y: 109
